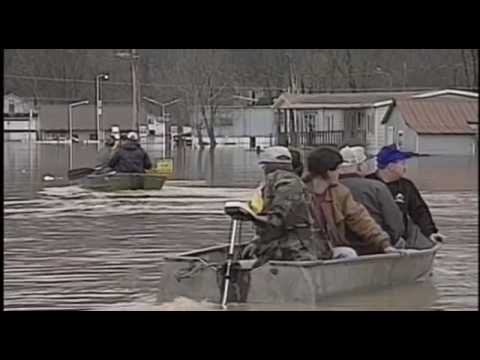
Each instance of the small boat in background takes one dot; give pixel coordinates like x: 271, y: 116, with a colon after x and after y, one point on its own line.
x: 122, y: 181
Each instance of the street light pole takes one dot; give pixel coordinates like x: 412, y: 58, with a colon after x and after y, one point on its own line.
x: 97, y: 107
x: 163, y: 105
x: 98, y: 103
x: 245, y: 98
x: 134, y: 92
x: 132, y: 56
x: 70, y: 126
x: 380, y: 71
x: 164, y: 131
x: 70, y: 123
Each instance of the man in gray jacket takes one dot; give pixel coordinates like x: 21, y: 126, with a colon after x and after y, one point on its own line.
x: 372, y: 194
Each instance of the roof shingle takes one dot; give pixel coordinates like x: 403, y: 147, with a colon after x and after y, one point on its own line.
x: 439, y: 116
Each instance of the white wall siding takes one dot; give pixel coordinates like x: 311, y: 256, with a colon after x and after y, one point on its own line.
x: 19, y: 125
x: 447, y: 144
x: 409, y: 140
x: 19, y: 136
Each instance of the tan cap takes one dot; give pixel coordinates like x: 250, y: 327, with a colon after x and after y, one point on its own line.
x: 276, y: 155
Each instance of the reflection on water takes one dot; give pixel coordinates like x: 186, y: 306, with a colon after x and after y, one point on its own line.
x: 69, y: 248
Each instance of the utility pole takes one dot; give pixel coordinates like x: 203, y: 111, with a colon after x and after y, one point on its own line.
x: 98, y: 105
x: 133, y: 63
x: 132, y: 56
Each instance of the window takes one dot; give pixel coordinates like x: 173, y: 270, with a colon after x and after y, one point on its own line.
x: 309, y: 119
x: 11, y: 106
x: 330, y: 126
x: 359, y: 120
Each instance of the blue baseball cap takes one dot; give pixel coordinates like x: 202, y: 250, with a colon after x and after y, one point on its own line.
x: 389, y: 154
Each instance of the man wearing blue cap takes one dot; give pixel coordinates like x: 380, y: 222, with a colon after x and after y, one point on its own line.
x: 391, y: 170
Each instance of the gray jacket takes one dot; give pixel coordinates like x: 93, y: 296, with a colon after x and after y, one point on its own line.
x: 378, y: 200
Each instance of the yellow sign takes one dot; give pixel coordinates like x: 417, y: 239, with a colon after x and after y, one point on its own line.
x: 163, y: 167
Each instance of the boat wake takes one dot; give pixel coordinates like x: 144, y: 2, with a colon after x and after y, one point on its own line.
x: 178, y: 304
x: 76, y: 201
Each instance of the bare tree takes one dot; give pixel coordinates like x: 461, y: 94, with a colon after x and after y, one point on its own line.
x: 470, y: 66
x: 474, y: 56
x: 203, y: 76
x: 201, y: 73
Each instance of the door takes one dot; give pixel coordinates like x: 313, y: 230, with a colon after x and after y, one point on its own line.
x: 390, y: 131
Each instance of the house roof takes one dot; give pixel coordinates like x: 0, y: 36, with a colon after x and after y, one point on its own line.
x: 363, y: 99
x: 439, y: 116
x: 338, y: 100
x: 451, y: 92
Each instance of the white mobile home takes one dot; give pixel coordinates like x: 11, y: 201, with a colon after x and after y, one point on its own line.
x: 444, y: 121
x: 20, y: 119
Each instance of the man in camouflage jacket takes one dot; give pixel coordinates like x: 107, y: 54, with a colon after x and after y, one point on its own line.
x: 283, y: 226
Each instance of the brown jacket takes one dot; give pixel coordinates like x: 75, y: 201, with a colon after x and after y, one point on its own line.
x: 345, y: 212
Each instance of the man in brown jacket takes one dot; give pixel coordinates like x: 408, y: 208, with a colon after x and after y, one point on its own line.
x: 335, y: 209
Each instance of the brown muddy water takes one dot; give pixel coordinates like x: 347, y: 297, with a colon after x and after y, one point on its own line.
x: 69, y: 248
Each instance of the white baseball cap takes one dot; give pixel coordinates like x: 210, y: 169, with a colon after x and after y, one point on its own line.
x: 132, y: 136
x: 354, y: 155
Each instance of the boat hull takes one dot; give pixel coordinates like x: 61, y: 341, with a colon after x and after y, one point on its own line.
x: 121, y: 181
x: 199, y: 275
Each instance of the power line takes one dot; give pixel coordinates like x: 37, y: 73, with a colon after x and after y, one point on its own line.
x: 67, y: 80
x: 60, y: 80
x: 256, y: 87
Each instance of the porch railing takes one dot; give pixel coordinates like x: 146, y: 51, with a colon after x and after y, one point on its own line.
x: 317, y: 138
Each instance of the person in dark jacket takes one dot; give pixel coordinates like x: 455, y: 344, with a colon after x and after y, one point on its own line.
x: 130, y: 157
x: 372, y: 194
x: 391, y: 170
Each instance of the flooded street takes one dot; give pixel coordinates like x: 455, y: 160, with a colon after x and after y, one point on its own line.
x: 70, y: 248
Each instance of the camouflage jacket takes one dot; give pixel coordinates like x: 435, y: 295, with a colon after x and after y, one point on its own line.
x: 285, y: 205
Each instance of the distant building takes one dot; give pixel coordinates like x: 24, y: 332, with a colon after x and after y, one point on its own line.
x: 441, y: 122
x: 240, y: 125
x: 20, y: 119
x: 366, y: 118
x: 54, y: 121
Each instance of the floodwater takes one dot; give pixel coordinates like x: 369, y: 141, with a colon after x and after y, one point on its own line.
x: 69, y: 248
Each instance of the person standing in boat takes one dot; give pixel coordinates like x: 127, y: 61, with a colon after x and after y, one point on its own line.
x: 391, y: 164
x: 372, y: 194
x: 335, y: 209
x: 130, y: 157
x: 283, y: 225
x: 106, y: 153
